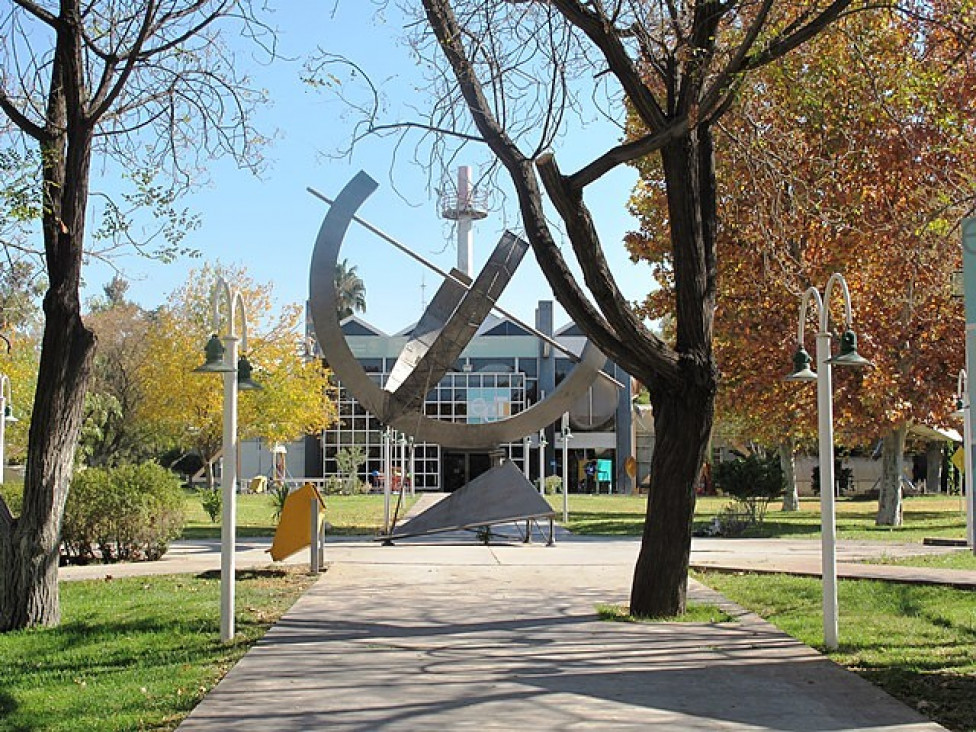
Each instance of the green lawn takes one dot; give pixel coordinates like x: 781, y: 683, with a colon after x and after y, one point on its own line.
x: 133, y: 653
x: 918, y: 643
x: 349, y: 515
x: 962, y: 559
x: 695, y: 612
x: 923, y: 516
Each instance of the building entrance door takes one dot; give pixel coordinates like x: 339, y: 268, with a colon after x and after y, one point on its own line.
x: 461, y: 468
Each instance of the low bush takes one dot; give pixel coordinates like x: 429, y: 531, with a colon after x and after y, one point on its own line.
x: 278, y: 494
x: 127, y: 513
x: 336, y: 486
x: 554, y: 485
x: 212, y: 501
x: 13, y: 496
x: 753, y: 481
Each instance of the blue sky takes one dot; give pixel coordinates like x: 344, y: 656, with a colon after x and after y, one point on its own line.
x: 269, y: 225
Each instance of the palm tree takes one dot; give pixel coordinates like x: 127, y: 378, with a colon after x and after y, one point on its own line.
x: 350, y: 290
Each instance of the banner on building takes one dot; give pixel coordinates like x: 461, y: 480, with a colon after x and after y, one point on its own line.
x: 489, y: 404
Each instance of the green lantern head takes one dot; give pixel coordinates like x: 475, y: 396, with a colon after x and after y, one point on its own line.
x: 848, y: 355
x: 244, y: 381
x: 801, y: 366
x: 214, y: 351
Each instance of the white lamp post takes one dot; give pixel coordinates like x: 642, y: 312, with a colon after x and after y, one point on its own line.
x: 825, y: 409
x: 567, y: 436
x: 542, y: 462
x: 403, y: 444
x: 223, y: 358
x: 387, y: 476
x: 6, y: 416
x: 412, y: 451
x: 963, y: 411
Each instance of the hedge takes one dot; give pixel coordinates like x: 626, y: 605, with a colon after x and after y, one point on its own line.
x: 127, y: 513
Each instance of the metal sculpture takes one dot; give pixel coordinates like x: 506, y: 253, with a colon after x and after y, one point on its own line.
x: 442, y: 333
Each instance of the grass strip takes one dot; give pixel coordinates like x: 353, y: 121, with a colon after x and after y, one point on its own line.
x: 962, y: 559
x: 916, y: 642
x: 360, y: 515
x: 695, y: 612
x: 134, y: 654
x: 924, y: 516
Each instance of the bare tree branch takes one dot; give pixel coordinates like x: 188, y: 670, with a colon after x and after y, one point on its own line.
x: 596, y: 272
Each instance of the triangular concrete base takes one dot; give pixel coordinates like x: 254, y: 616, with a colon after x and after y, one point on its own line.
x: 502, y: 495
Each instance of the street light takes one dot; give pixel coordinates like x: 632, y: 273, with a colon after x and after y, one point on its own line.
x: 222, y: 357
x: 964, y: 413
x: 848, y: 356
x: 7, y: 412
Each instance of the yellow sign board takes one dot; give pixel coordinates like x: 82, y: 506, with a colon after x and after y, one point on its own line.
x: 959, y: 460
x: 294, y: 531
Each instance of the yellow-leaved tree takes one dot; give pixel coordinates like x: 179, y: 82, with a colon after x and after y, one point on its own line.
x: 19, y: 365
x: 187, y: 407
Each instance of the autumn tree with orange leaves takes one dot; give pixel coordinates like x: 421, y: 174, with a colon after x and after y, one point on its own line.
x: 854, y: 155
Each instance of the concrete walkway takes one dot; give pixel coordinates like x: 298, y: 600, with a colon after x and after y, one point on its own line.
x: 802, y: 557
x: 793, y: 556
x: 449, y: 634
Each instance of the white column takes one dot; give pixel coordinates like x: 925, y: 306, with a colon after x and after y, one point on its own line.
x: 403, y: 464
x: 969, y: 290
x: 465, y: 240
x: 828, y: 532
x: 565, y: 430
x: 228, y: 489
x: 967, y: 478
x: 413, y: 468
x: 969, y: 399
x: 313, y: 546
x: 387, y: 478
x: 542, y: 462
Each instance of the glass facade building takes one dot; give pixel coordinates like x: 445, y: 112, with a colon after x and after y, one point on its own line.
x: 503, y: 370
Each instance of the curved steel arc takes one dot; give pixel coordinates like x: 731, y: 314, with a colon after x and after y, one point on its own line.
x: 323, y: 300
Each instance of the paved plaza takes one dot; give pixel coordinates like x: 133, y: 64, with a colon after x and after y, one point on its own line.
x: 449, y: 634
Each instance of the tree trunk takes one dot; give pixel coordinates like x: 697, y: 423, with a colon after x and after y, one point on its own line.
x: 681, y: 431
x: 683, y: 412
x: 208, y: 471
x: 933, y: 467
x: 892, y: 468
x: 787, y: 462
x: 30, y: 545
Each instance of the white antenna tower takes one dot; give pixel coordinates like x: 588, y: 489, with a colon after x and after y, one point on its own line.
x: 423, y: 293
x: 464, y: 207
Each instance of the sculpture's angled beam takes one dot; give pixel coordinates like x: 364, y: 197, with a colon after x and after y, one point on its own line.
x: 428, y: 328
x: 460, y: 328
x: 448, y: 275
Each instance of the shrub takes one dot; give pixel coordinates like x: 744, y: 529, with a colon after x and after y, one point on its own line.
x: 753, y: 481
x: 733, y: 520
x: 212, y: 500
x: 127, y: 513
x: 336, y: 486
x: 13, y: 496
x: 278, y: 494
x: 348, y: 460
x: 554, y: 485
